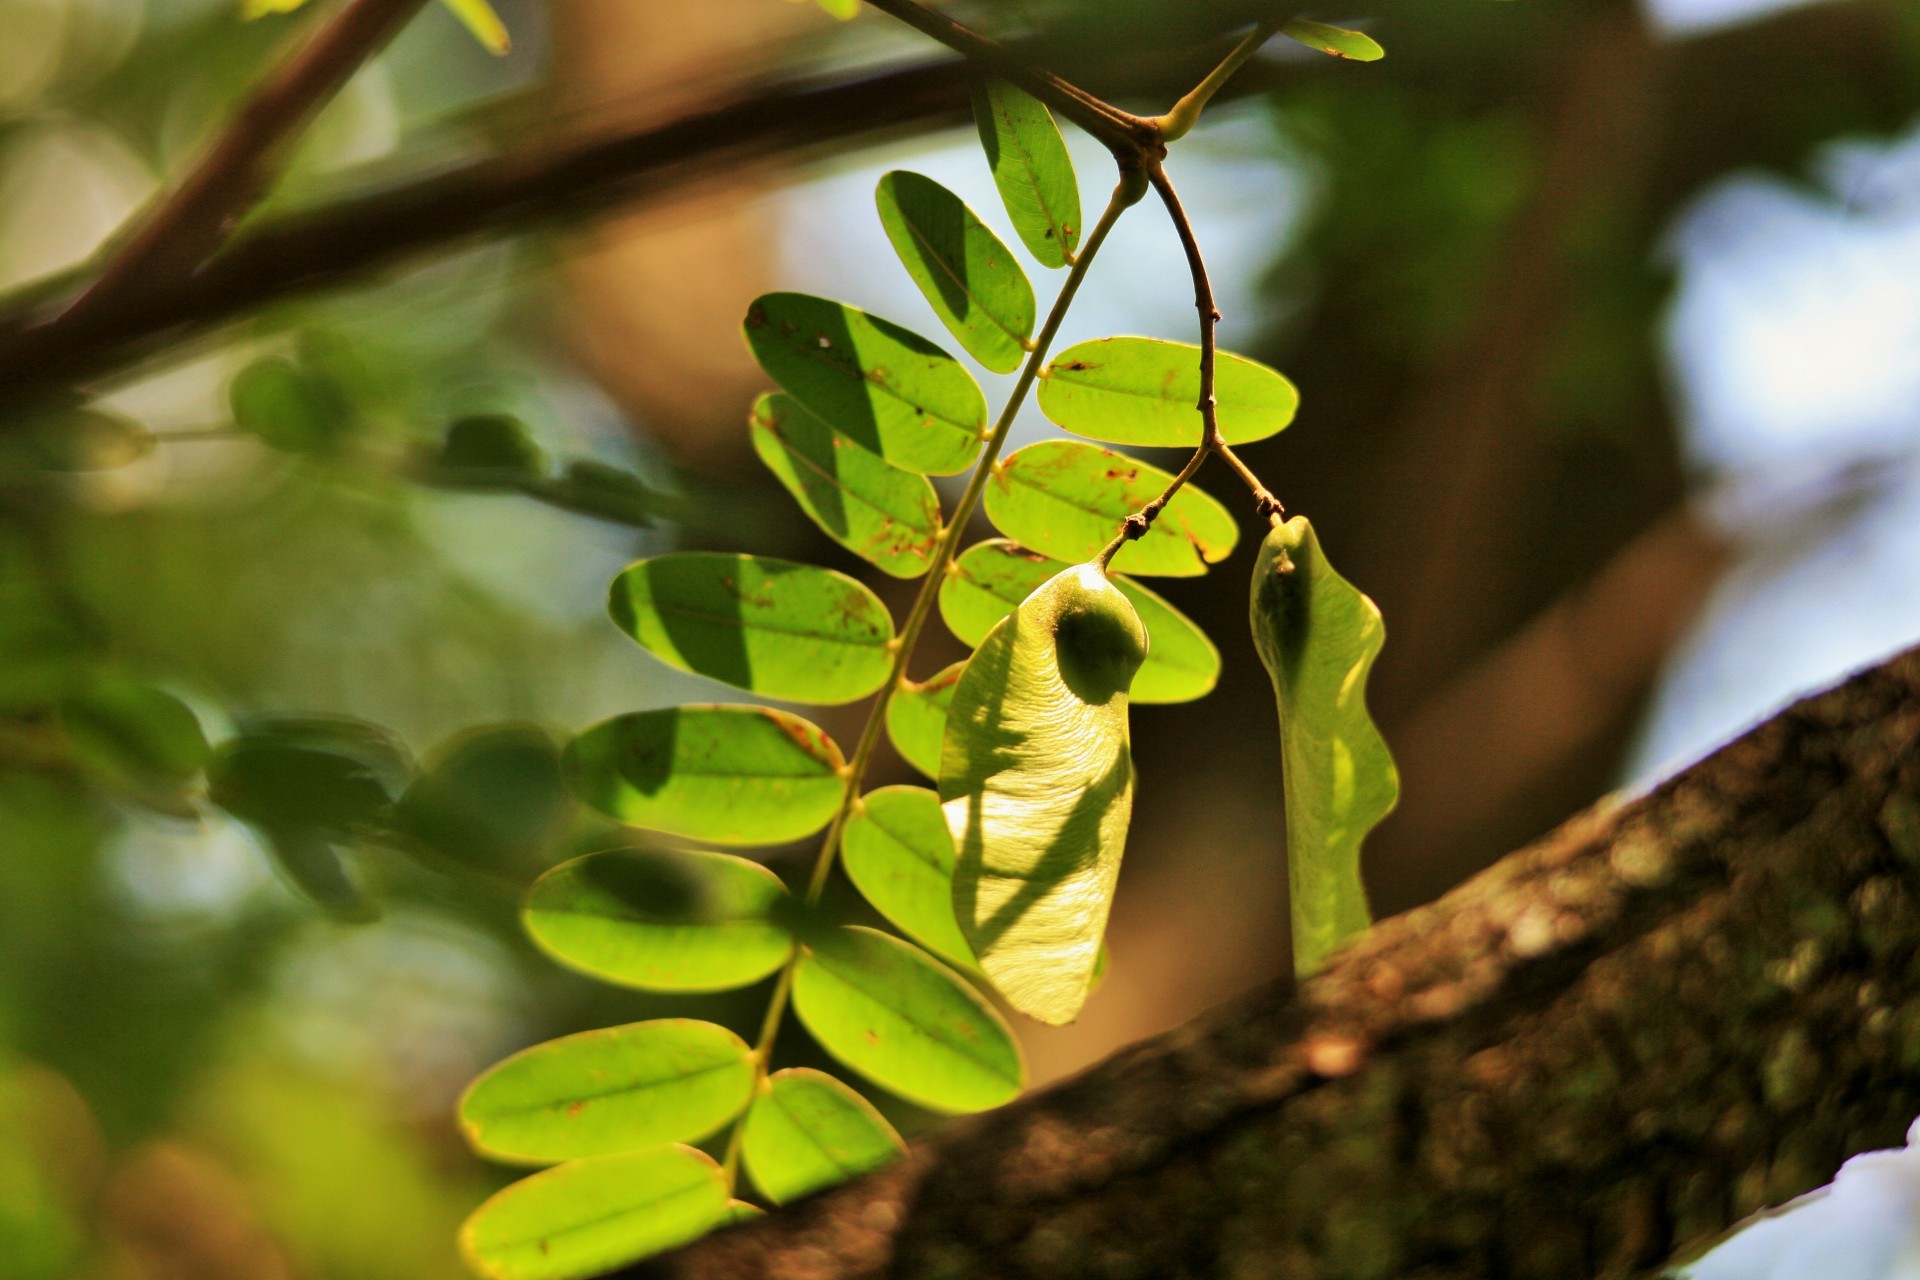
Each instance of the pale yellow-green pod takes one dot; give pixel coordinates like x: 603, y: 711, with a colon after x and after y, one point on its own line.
x: 1036, y: 779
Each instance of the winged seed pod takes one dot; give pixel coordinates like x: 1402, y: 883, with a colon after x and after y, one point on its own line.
x: 1036, y: 780
x: 1318, y: 636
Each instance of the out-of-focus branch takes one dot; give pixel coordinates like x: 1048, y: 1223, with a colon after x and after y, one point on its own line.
x: 176, y: 234
x: 577, y: 177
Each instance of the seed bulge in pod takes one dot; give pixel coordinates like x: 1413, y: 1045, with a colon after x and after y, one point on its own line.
x: 1036, y: 780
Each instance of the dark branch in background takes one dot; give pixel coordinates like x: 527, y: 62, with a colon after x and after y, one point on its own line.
x: 1604, y: 1050
x: 574, y: 178
x: 179, y: 232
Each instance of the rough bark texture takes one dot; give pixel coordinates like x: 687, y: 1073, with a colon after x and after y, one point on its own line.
x: 1605, y: 1049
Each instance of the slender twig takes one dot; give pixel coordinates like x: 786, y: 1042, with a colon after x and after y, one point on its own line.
x: 1125, y: 194
x: 1178, y: 122
x: 1136, y: 525
x: 1121, y: 132
x: 177, y: 234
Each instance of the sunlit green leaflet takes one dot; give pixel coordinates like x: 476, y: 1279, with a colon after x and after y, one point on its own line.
x: 1032, y: 169
x: 898, y: 852
x: 917, y: 719
x: 991, y: 578
x: 611, y: 1090
x: 663, y: 921
x: 884, y: 387
x: 1318, y: 637
x: 1066, y: 498
x: 1037, y: 783
x: 1143, y: 391
x: 729, y: 774
x: 588, y: 1216
x: 807, y: 1131
x: 885, y: 515
x: 888, y: 1011
x: 1337, y: 41
x: 770, y: 626
x: 970, y: 279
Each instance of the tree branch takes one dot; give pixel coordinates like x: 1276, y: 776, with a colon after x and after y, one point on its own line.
x: 1121, y: 132
x: 1609, y: 1047
x: 179, y: 232
x: 573, y: 178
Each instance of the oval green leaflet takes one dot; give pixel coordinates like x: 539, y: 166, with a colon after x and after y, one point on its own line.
x: 769, y: 626
x: 662, y: 920
x: 1032, y: 169
x: 899, y: 854
x: 1145, y: 391
x: 727, y: 774
x: 603, y: 1092
x: 917, y: 718
x: 886, y: 516
x: 970, y: 279
x: 884, y: 387
x: 889, y: 1011
x: 1337, y: 41
x: 1318, y: 637
x: 1037, y: 783
x: 589, y: 1216
x: 991, y: 578
x: 1066, y: 499
x: 807, y: 1131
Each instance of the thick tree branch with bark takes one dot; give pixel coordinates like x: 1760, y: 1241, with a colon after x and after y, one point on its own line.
x: 1606, y: 1049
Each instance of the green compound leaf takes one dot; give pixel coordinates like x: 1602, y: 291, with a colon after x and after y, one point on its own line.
x: 1032, y: 169
x: 1143, y: 391
x: 884, y: 387
x: 769, y: 626
x: 134, y: 736
x: 1066, y: 499
x: 491, y: 800
x: 1338, y: 41
x: 884, y: 515
x: 890, y: 1012
x: 590, y: 1216
x: 991, y: 578
x: 970, y: 279
x: 289, y: 408
x: 1037, y: 783
x: 808, y: 1131
x: 728, y: 774
x: 917, y: 719
x: 1318, y: 637
x: 662, y: 920
x: 899, y: 854
x: 602, y: 492
x: 603, y: 1092
x: 489, y: 449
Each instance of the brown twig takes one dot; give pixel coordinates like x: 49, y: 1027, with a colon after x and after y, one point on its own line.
x: 1136, y: 525
x: 177, y: 234
x: 1124, y: 134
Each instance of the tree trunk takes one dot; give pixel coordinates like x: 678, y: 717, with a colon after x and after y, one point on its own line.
x: 1607, y: 1048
